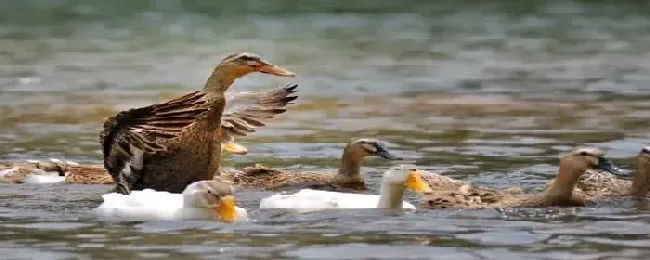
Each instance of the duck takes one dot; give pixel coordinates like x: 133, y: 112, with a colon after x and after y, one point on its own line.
x: 167, y: 146
x: 463, y: 192
x: 244, y: 114
x: 558, y: 194
x: 347, y: 178
x: 201, y: 200
x: 596, y: 184
x: 394, y: 181
x: 22, y: 174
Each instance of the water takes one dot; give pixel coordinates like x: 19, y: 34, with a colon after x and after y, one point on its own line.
x: 491, y: 92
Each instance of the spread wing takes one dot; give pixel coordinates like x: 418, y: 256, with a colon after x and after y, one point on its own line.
x: 144, y: 128
x: 245, y: 112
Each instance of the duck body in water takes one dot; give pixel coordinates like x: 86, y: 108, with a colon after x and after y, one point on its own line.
x: 167, y: 146
x: 559, y: 192
x: 202, y: 200
x: 244, y: 114
x: 597, y: 183
x: 394, y: 182
x: 348, y: 177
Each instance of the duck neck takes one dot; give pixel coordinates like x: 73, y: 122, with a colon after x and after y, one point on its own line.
x: 562, y: 187
x: 640, y: 184
x: 391, y: 195
x: 350, y: 169
x: 189, y: 201
x: 220, y: 80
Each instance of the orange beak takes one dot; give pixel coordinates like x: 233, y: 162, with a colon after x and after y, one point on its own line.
x: 269, y: 68
x: 415, y: 183
x: 226, y: 209
x: 235, y: 148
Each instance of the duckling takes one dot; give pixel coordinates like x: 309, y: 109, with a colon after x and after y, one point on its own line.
x: 394, y: 181
x: 213, y: 199
x: 348, y: 176
x: 596, y: 184
x: 559, y: 193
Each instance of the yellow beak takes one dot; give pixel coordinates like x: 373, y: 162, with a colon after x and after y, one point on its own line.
x: 414, y: 182
x: 235, y: 148
x: 226, y: 209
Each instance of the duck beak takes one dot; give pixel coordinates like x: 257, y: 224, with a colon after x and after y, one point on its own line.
x: 607, y: 165
x: 235, y: 148
x: 269, y: 68
x: 384, y: 153
x: 226, y: 209
x: 414, y: 182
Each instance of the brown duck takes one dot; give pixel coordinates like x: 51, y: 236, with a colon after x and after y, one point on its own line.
x: 167, y: 146
x: 347, y: 178
x: 239, y: 119
x: 594, y: 184
x: 462, y: 192
x: 558, y: 193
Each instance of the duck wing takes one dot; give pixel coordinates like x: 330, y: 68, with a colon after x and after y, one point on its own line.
x: 147, y: 130
x: 245, y: 112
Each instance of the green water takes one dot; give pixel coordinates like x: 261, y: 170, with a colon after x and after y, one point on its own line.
x: 490, y: 91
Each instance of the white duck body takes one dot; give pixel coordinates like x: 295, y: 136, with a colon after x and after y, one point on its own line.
x: 149, y: 204
x: 390, y: 196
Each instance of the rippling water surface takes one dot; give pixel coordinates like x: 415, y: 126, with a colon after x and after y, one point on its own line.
x: 491, y: 92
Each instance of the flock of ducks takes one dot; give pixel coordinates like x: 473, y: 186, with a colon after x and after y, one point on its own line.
x: 164, y: 162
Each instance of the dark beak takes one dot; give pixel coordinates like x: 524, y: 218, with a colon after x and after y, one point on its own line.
x: 607, y: 165
x: 384, y: 153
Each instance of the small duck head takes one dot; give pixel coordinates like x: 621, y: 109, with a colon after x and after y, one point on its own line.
x: 409, y: 176
x: 369, y: 147
x: 214, y: 194
x: 581, y: 159
x: 241, y: 64
x: 573, y: 165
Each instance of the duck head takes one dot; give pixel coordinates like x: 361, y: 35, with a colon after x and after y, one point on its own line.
x: 581, y: 159
x: 237, y: 65
x: 213, y: 194
x: 240, y: 64
x: 410, y: 176
x: 369, y: 147
x: 572, y: 166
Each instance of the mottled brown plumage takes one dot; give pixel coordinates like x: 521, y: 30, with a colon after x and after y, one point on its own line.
x: 559, y: 193
x: 261, y: 106
x: 169, y: 145
x: 449, y: 192
x: 347, y: 178
x: 597, y: 183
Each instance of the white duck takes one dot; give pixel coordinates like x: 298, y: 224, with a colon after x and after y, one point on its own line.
x: 390, y: 196
x: 213, y: 199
